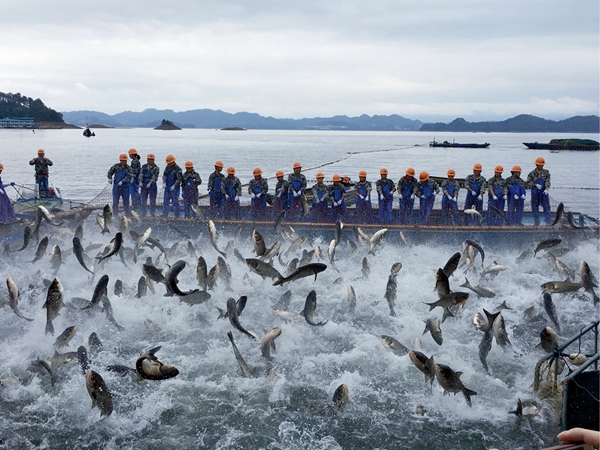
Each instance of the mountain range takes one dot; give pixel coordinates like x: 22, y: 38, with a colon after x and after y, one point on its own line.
x: 208, y: 118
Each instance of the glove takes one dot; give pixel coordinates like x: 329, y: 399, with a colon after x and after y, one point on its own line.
x: 297, y: 194
x: 454, y: 199
x: 252, y: 196
x: 226, y: 197
x: 317, y: 200
x: 2, y: 191
x: 279, y: 195
x: 412, y: 196
x: 494, y: 197
x: 172, y: 188
x: 545, y: 192
x: 110, y: 181
x: 259, y: 195
x: 149, y: 184
x: 523, y: 197
x: 516, y: 197
x: 360, y: 196
x: 367, y: 199
x: 12, y: 183
x: 236, y: 198
x: 380, y: 197
x: 473, y: 193
x: 449, y: 196
x: 120, y: 183
x: 539, y: 186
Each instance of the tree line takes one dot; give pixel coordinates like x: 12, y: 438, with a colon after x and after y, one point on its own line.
x: 17, y: 105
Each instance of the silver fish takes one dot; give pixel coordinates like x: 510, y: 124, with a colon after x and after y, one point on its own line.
x: 84, y: 361
x: 142, y: 289
x: 473, y: 212
x: 13, y: 295
x: 481, y: 291
x: 559, y: 266
x: 268, y: 343
x: 442, y: 285
x: 65, y: 337
x: 56, y: 258
x: 548, y: 340
x: 94, y: 343
x: 272, y: 252
x: 301, y: 272
x: 232, y: 314
x: 433, y: 326
x: 450, y: 381
x: 107, y: 307
x: 587, y: 280
x: 560, y: 209
x: 247, y: 371
x: 53, y: 304
x: 546, y: 244
x: 99, y: 393
x: 451, y: 265
x: 309, y: 309
x: 263, y: 269
x: 339, y: 226
x: 448, y: 301
x: 560, y: 287
x: 551, y: 310
x: 500, y: 332
x: 493, y: 269
x: 202, y: 273
x: 340, y: 397
x: 424, y: 364
x: 212, y: 231
x: 366, y: 267
x: 117, y: 242
x: 78, y: 250
x: 390, y: 294
x: 393, y: 345
x: 331, y: 253
x: 477, y: 247
x: 171, y: 279
x: 119, y: 289
x: 351, y: 298
x: 259, y: 244
x: 100, y: 291
x: 280, y: 218
x: 139, y: 242
x: 26, y: 239
x: 41, y: 250
x: 298, y: 242
x: 150, y: 368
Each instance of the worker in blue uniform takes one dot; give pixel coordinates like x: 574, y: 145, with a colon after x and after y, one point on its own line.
x: 231, y: 188
x: 496, y: 188
x: 407, y: 189
x: 172, y: 179
x: 475, y: 186
x: 7, y: 212
x: 337, y: 194
x: 149, y: 174
x: 319, y: 211
x: 258, y: 188
x: 538, y: 181
x: 450, y: 190
x: 214, y: 190
x: 385, y: 191
x: 296, y: 188
x: 122, y: 174
x: 427, y: 189
x: 515, y: 193
x: 363, y: 212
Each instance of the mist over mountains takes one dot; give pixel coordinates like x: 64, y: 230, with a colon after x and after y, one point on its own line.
x: 208, y: 118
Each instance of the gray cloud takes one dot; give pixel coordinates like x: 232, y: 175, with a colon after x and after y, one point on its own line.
x: 422, y: 60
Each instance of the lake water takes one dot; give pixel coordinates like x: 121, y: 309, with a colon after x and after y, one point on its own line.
x: 210, y: 405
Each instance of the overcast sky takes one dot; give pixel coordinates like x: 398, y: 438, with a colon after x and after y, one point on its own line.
x: 427, y: 60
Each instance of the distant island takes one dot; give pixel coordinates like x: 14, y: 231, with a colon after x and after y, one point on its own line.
x: 167, y: 125
x: 17, y: 106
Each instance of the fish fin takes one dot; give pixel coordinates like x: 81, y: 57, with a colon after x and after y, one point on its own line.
x: 49, y: 328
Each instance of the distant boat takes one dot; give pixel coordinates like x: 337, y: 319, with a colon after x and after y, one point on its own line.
x: 565, y: 144
x: 233, y: 129
x: 457, y: 145
x: 88, y: 133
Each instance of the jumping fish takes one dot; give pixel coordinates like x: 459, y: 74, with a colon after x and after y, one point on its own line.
x: 301, y: 272
x: 247, y: 371
x: 53, y: 304
x: 433, y: 326
x: 150, y: 368
x: 79, y: 252
x: 340, y: 397
x: 99, y: 393
x: 393, y: 345
x: 450, y: 381
x: 233, y: 317
x: 41, y: 250
x: 13, y: 294
x: 309, y: 309
x: 424, y: 364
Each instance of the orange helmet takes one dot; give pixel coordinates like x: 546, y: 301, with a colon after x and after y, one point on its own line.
x: 362, y: 173
x: 336, y: 177
x: 319, y: 175
x: 424, y: 176
x: 297, y: 165
x: 132, y: 151
x: 230, y: 170
x: 477, y: 166
x: 498, y: 169
x: 516, y: 169
x: 410, y: 172
x: 279, y: 173
x: 256, y: 172
x: 40, y: 152
x: 170, y: 159
x: 1, y: 166
x: 122, y: 157
x: 383, y: 171
x: 451, y: 172
x: 189, y: 164
x: 150, y: 156
x: 219, y: 164
x: 540, y: 161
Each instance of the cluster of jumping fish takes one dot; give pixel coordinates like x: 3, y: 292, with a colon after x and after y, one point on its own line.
x: 148, y: 367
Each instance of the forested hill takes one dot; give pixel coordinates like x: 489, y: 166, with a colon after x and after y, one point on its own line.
x: 523, y: 123
x: 17, y: 105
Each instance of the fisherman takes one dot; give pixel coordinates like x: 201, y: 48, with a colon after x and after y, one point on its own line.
x: 475, y: 185
x: 280, y: 203
x: 407, y: 188
x: 214, y: 190
x: 496, y: 187
x: 172, y: 179
x: 257, y: 188
x: 320, y: 192
x: 231, y: 188
x: 450, y: 189
x: 363, y: 211
x: 7, y: 213
x: 122, y: 173
x: 296, y: 188
x: 149, y: 174
x: 191, y: 181
x: 385, y: 190
x: 337, y: 194
x: 514, y: 189
x: 538, y: 181
x: 427, y: 189
x: 136, y: 166
x: 41, y: 173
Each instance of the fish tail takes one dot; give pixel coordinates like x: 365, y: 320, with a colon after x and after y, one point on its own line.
x: 49, y: 327
x: 468, y: 393
x: 280, y: 281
